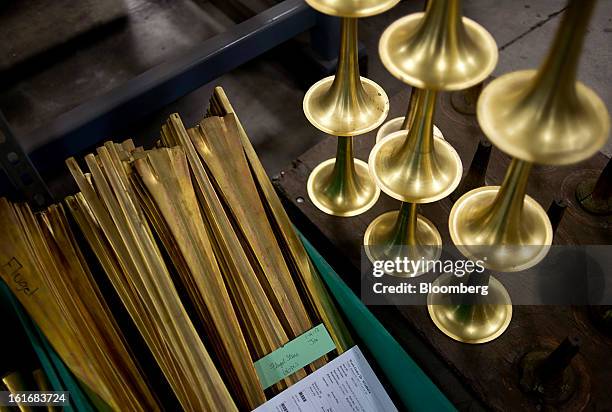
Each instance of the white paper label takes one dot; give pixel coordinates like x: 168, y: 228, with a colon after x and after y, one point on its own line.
x: 346, y: 384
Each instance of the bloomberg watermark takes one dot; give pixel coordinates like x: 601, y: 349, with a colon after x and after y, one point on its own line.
x: 567, y: 275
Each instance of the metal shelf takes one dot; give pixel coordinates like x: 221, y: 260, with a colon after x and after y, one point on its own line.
x: 99, y: 118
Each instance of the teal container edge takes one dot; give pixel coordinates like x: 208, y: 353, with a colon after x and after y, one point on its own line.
x: 60, y: 378
x: 416, y: 391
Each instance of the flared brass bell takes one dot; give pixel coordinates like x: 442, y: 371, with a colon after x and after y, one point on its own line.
x: 352, y: 8
x: 342, y: 186
x: 501, y: 225
x: 546, y: 116
x: 403, y: 233
x: 478, y: 322
x: 346, y: 104
x: 438, y: 49
x: 413, y: 165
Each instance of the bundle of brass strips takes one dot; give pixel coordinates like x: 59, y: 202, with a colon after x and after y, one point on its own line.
x: 45, y: 269
x: 199, y: 250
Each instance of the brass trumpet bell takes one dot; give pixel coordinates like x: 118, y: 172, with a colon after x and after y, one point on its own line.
x: 414, y: 166
x: 342, y: 186
x: 546, y: 116
x: 438, y: 49
x: 471, y: 323
x: 346, y: 104
x: 501, y: 225
x: 352, y: 8
x: 403, y: 233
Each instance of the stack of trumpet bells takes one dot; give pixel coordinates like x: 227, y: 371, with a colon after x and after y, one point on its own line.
x: 519, y: 112
x: 542, y: 116
x: 345, y: 105
x: 438, y: 50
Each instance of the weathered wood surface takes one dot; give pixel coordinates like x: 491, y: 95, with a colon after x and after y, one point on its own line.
x: 489, y: 371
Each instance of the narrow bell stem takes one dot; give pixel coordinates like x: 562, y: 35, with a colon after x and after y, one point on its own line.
x: 347, y: 81
x: 404, y: 229
x: 442, y: 22
x: 409, y: 118
x: 505, y: 213
x: 557, y: 76
x: 344, y: 177
x: 420, y: 133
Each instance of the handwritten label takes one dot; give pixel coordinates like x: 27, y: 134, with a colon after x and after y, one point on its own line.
x: 12, y: 271
x: 294, y: 355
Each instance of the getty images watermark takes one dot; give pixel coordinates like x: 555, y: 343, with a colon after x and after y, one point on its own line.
x: 404, y: 267
x: 567, y: 275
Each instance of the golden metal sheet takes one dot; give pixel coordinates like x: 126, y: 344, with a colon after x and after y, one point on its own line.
x: 249, y: 295
x: 172, y: 338
x: 165, y: 175
x: 295, y: 253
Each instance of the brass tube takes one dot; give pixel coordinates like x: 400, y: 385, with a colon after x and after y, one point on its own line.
x: 503, y: 217
x: 343, y: 179
x: 442, y: 26
x: 471, y: 318
x: 404, y: 229
x: 546, y: 116
x: 346, y: 104
x: 556, y: 78
x: 412, y: 166
x: 408, y: 119
x: 419, y: 140
x: 347, y: 90
x: 317, y: 292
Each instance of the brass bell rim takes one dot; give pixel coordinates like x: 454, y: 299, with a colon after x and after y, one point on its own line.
x: 361, y: 168
x: 475, y: 30
x: 392, y: 215
x: 435, y: 309
x: 495, y: 130
x: 440, y: 145
x: 371, y: 88
x: 348, y: 8
x: 529, y: 204
x: 395, y: 125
